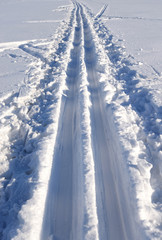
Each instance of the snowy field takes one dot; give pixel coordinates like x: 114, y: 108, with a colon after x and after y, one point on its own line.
x: 80, y: 120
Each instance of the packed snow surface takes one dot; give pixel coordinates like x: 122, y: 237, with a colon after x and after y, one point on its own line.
x: 80, y: 120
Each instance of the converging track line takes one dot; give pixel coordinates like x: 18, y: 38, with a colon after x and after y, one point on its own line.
x: 114, y: 211
x: 58, y: 219
x: 69, y: 212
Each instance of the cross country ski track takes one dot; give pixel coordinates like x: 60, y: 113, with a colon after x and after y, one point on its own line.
x: 65, y: 212
x: 62, y: 145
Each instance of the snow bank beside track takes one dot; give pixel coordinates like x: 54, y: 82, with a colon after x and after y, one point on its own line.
x: 31, y: 120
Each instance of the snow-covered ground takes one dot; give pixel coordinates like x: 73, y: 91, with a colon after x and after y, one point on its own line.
x: 25, y: 22
x: 81, y: 119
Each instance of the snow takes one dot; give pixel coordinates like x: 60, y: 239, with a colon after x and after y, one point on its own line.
x: 139, y: 24
x: 80, y: 119
x: 136, y: 105
x: 24, y: 22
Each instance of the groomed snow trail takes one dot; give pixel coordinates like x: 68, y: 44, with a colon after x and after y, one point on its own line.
x: 80, y: 139
x: 114, y: 212
x: 87, y: 195
x: 59, y: 206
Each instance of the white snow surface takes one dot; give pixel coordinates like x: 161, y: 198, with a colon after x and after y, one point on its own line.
x: 80, y: 120
x: 25, y: 22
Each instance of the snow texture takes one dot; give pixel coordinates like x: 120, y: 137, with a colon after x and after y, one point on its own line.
x: 80, y: 120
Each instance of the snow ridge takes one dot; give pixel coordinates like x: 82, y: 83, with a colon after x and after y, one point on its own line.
x: 90, y: 215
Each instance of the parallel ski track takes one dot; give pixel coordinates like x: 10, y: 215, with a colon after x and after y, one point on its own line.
x: 68, y: 214
x: 113, y: 207
x: 58, y: 219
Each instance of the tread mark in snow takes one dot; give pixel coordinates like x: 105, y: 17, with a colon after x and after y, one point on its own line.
x: 115, y: 222
x: 60, y: 199
x: 113, y: 207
